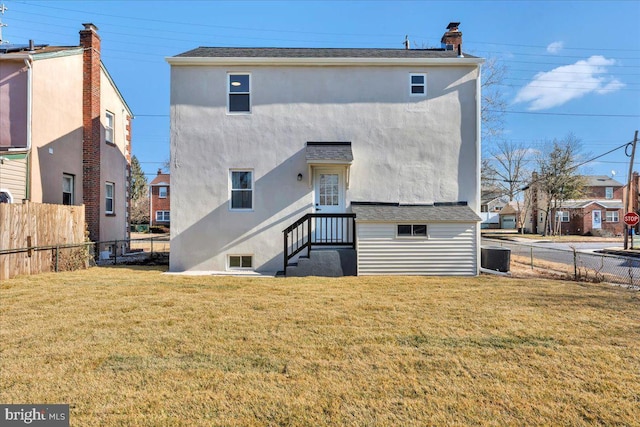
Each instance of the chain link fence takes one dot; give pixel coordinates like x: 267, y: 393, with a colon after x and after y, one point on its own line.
x: 589, y: 266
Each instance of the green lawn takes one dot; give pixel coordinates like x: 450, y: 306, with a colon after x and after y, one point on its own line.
x: 130, y: 346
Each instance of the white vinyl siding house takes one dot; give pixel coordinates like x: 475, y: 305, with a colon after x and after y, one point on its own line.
x: 450, y: 249
x: 13, y: 176
x: 384, y: 245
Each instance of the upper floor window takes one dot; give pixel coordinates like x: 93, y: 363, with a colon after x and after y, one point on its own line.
x: 239, y: 90
x: 608, y: 193
x: 108, y: 127
x: 67, y: 189
x: 109, y: 197
x: 241, y: 190
x: 162, y: 192
x: 418, y: 84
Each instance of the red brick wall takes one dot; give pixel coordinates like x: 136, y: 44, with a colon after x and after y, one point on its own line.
x: 600, y: 192
x: 581, y: 222
x: 91, y: 187
x: 159, y: 204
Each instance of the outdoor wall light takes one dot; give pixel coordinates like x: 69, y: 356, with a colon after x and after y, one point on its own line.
x: 299, y: 177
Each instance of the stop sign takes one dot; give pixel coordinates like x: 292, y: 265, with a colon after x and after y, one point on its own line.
x: 631, y: 218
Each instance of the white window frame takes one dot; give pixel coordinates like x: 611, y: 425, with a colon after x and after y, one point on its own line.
x: 72, y: 180
x: 423, y: 85
x: 241, y: 258
x: 229, y: 93
x: 109, y: 127
x: 107, y: 198
x: 231, y: 190
x: 608, y: 192
x: 160, y: 192
x: 163, y: 216
x: 413, y: 235
x: 615, y: 216
x: 563, y: 216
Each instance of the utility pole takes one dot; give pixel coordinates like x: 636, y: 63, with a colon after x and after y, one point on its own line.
x: 2, y: 10
x: 629, y: 205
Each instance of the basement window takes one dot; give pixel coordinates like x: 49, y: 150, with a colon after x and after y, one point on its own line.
x: 412, y: 230
x: 237, y: 262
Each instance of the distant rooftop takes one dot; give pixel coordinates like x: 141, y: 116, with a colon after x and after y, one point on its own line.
x: 600, y: 181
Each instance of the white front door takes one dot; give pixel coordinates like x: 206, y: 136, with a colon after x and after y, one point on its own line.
x: 596, y: 222
x: 329, y: 197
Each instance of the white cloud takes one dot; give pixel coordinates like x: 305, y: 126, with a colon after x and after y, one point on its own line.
x: 563, y: 84
x: 555, y: 47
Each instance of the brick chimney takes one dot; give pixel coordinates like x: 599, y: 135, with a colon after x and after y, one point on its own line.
x: 91, y: 182
x: 452, y: 38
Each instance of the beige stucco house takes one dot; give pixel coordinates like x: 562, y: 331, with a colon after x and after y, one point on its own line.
x: 326, y: 161
x: 65, y: 132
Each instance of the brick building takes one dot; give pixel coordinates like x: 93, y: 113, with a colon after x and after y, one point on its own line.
x: 160, y: 200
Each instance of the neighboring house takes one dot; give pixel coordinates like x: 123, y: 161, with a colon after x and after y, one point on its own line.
x: 492, y: 202
x: 374, y: 150
x: 65, y: 133
x: 599, y: 212
x: 160, y: 200
x: 512, y: 216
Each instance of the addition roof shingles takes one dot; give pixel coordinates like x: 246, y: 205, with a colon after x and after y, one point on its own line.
x: 293, y: 52
x: 329, y: 151
x: 389, y: 212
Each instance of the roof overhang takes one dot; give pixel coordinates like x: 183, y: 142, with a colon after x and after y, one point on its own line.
x: 326, y: 154
x: 280, y: 61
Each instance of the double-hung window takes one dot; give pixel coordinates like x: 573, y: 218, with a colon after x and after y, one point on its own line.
x: 162, y: 192
x: 239, y: 91
x: 241, y: 187
x: 608, y: 192
x: 412, y: 230
x: 109, y: 197
x: 418, y: 84
x: 108, y: 127
x: 67, y: 189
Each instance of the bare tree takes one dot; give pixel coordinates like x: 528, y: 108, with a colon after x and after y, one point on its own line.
x: 493, y: 101
x: 558, y: 178
x: 509, y: 167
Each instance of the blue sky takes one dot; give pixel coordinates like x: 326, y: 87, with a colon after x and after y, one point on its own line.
x: 572, y: 66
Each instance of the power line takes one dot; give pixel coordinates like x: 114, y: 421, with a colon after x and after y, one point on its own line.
x: 563, y: 114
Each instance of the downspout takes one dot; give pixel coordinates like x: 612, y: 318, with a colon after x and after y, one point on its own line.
x: 28, y: 62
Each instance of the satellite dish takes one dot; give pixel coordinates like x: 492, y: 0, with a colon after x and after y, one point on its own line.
x: 613, y: 173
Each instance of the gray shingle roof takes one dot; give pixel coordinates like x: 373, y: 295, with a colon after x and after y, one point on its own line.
x: 339, y: 152
x: 600, y: 181
x: 277, y: 52
x: 401, y: 213
x: 579, y: 204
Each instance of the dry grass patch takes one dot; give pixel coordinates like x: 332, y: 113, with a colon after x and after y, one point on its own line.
x: 127, y: 346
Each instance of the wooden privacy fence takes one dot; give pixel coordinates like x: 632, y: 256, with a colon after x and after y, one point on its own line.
x: 37, y: 225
